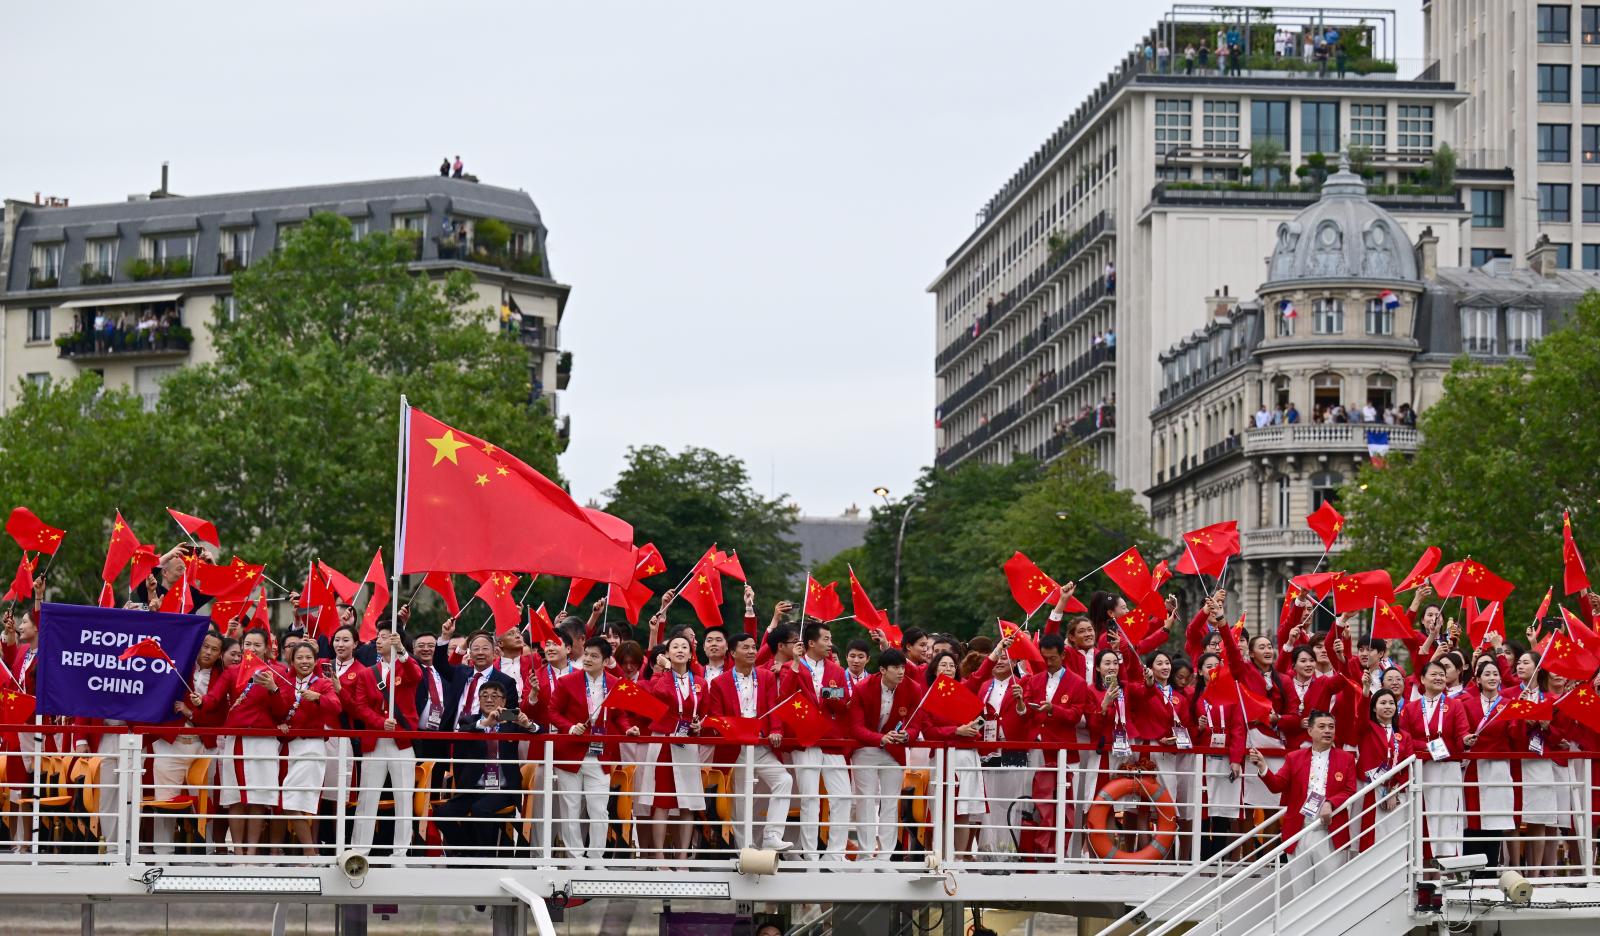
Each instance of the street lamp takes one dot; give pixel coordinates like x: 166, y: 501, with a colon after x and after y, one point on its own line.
x: 900, y: 541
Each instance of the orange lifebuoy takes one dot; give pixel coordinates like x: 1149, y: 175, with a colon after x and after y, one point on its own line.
x: 1099, y: 815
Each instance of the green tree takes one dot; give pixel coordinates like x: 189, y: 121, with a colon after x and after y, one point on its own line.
x: 75, y: 454
x: 286, y: 441
x: 687, y: 501
x: 1505, y: 451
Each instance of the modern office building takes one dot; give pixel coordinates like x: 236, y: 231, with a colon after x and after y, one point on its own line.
x: 1376, y: 324
x: 1531, y: 76
x: 159, y: 268
x: 1153, y: 176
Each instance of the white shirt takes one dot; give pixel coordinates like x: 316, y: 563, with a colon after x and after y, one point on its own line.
x: 431, y: 675
x: 745, y: 688
x: 885, y: 706
x: 817, y: 670
x: 594, y: 693
x: 997, y: 693
x: 713, y: 670
x: 1051, y: 682
x: 469, y: 700
x: 1317, y: 783
x: 512, y: 666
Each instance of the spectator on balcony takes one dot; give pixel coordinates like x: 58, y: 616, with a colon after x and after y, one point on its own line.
x: 1205, y: 56
x: 1322, y: 58
x: 1149, y: 56
x: 1290, y: 414
x: 1263, y: 417
x: 444, y: 168
x: 1098, y: 342
x: 1188, y: 59
x: 1406, y: 415
x: 1307, y: 47
x: 1339, y: 58
x: 1337, y: 414
x: 1111, y: 278
x: 147, y: 328
x: 102, y: 330
x: 1111, y: 342
x: 121, y: 332
x: 455, y: 170
x: 1369, y: 413
x: 1163, y: 56
x: 1235, y: 58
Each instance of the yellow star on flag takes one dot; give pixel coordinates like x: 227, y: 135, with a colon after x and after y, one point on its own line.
x: 501, y: 470
x: 117, y: 527
x: 482, y: 480
x: 445, y: 447
x: 488, y: 449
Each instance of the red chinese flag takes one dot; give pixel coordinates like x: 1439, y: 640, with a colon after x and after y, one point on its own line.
x: 496, y: 592
x: 1393, y: 622
x: 578, y: 590
x: 472, y: 506
x: 1470, y: 579
x: 1563, y: 656
x: 734, y: 727
x: 952, y: 702
x: 121, y: 549
x: 1153, y: 606
x: 1544, y: 606
x: 704, y: 596
x: 224, y: 612
x: 379, y: 580
x: 626, y: 696
x: 1327, y: 522
x: 1492, y: 619
x: 203, y: 530
x: 1582, y: 706
x: 441, y: 584
x: 1032, y: 588
x: 231, y: 582
x: 1130, y: 573
x: 541, y: 630
x: 1581, y: 633
x: 1206, y: 550
x: 861, y: 607
x: 631, y: 599
x: 728, y: 564
x: 145, y: 561
x: 1222, y: 689
x: 148, y: 647
x: 1022, y: 649
x: 1135, y: 626
x: 341, y: 584
x: 178, y: 599
x: 648, y: 562
x: 1289, y: 612
x: 822, y: 602
x: 108, y: 598
x: 1426, y: 563
x: 802, y: 719
x: 1527, y: 710
x: 1357, y: 591
x: 16, y: 707
x: 260, y: 618
x: 1160, y: 575
x: 1573, y: 575
x: 22, y: 582
x: 249, y: 665
x: 317, y: 600
x: 33, y: 534
x: 1318, y: 582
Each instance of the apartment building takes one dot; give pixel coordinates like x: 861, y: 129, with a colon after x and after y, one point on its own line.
x: 1152, y: 179
x: 158, y: 268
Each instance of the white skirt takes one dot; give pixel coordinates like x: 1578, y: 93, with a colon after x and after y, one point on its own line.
x: 302, y: 783
x: 1566, y: 800
x: 1497, y: 807
x: 1539, y: 792
x: 969, y: 782
x: 1175, y: 771
x: 1222, y: 791
x: 688, y: 787
x: 250, y: 775
x: 330, y: 769
x: 1442, y: 805
x: 1255, y: 791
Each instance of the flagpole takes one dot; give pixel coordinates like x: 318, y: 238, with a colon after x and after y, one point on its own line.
x: 399, y: 538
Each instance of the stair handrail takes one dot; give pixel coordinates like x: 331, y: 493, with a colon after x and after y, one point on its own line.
x: 1267, y: 859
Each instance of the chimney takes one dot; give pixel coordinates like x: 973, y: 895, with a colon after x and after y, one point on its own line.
x: 36, y: 200
x: 1218, y: 304
x: 163, y: 178
x: 1542, y: 258
x: 1428, y: 254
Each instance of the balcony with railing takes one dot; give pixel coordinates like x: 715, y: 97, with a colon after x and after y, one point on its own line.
x: 229, y: 263
x: 1045, y: 391
x: 464, y: 249
x: 1282, y: 543
x: 1315, y: 438
x: 159, y: 333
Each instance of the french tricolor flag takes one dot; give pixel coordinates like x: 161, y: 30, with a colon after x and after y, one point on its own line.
x: 1390, y: 300
x: 1286, y: 309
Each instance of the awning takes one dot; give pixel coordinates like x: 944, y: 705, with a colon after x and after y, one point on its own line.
x: 119, y: 301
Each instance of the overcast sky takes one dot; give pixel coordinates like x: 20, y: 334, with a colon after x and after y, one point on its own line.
x: 748, y: 199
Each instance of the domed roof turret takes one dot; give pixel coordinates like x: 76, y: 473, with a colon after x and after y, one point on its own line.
x: 1342, y: 236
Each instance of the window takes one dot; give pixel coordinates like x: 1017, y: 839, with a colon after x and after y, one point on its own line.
x: 414, y: 222
x: 101, y: 257
x: 1285, y: 517
x: 228, y: 307
x: 1591, y: 256
x: 1555, y: 143
x: 1482, y: 255
x: 39, y: 379
x: 1369, y: 125
x: 1319, y: 126
x: 1327, y: 390
x: 1554, y: 23
x: 285, y: 231
x: 1589, y: 23
x: 358, y: 228
x: 235, y: 245
x: 1327, y: 316
x: 39, y: 324
x: 163, y: 249
x: 1269, y: 120
x: 1172, y: 174
x: 1591, y: 204
x: 147, y: 383
x: 1563, y: 256
x: 1285, y: 324
x: 1230, y: 174
x: 1488, y: 208
x: 1591, y: 84
x: 1415, y: 129
x: 46, y: 262
x: 1280, y: 392
x: 1220, y: 123
x: 1325, y: 488
x: 1380, y: 320
x: 1555, y: 84
x: 1172, y: 124
x: 1555, y: 201
x: 1523, y: 328
x: 1477, y: 331
x: 1380, y: 392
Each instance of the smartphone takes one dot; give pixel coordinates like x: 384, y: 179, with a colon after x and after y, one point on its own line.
x: 327, y: 668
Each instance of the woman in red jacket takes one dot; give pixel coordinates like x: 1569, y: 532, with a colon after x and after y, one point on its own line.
x: 1380, y: 745
x: 313, y: 710
x: 1259, y: 677
x: 1491, y: 806
x: 253, y: 694
x: 1222, y: 727
x: 1535, y: 776
x: 962, y: 755
x: 1438, y: 727
x: 1566, y: 735
x: 1007, y: 776
x: 672, y: 788
x: 1161, y: 716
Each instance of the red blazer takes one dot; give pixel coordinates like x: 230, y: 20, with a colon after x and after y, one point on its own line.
x: 233, y: 702
x: 23, y: 669
x: 1500, y: 736
x: 1224, y: 728
x: 313, y: 716
x: 1293, y: 781
x: 866, y: 710
x: 837, y: 739
x: 363, y: 707
x: 663, y: 686
x: 1196, y: 634
x: 1379, y: 750
x: 1449, y: 722
x: 724, y: 697
x: 405, y: 692
x: 1013, y: 727
x: 1152, y: 714
x: 1293, y: 709
x: 568, y: 706
x: 1071, y: 702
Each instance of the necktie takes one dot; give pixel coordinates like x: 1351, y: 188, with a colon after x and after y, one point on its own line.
x: 466, y: 699
x: 433, y: 688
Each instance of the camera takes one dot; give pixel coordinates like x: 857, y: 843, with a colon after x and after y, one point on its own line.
x: 1460, y: 866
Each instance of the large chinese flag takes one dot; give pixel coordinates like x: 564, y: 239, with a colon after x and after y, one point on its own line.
x: 1327, y: 523
x: 1392, y: 622
x: 470, y: 506
x: 822, y: 602
x: 1573, y: 575
x: 33, y: 534
x: 1031, y: 587
x: 1360, y: 590
x: 1206, y: 550
x: 1470, y: 579
x: 121, y: 549
x: 1130, y: 573
x: 952, y: 702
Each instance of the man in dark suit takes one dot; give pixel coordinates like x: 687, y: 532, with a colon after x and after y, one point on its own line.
x: 488, y: 774
x: 461, y: 693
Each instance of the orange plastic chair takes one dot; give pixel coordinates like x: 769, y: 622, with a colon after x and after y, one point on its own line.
x: 914, y: 786
x: 82, y: 778
x: 621, y: 836
x: 192, y: 801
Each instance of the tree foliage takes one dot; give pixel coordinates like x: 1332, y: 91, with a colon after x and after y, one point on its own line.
x: 686, y: 501
x: 1505, y: 452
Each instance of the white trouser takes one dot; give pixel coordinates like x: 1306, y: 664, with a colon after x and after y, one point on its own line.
x: 397, y: 765
x: 1005, y: 787
x: 1441, y: 806
x: 109, y: 809
x: 1084, y: 786
x: 584, y: 790
x: 814, y: 768
x: 1315, y: 859
x: 780, y: 787
x: 878, y: 779
x: 170, y: 772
